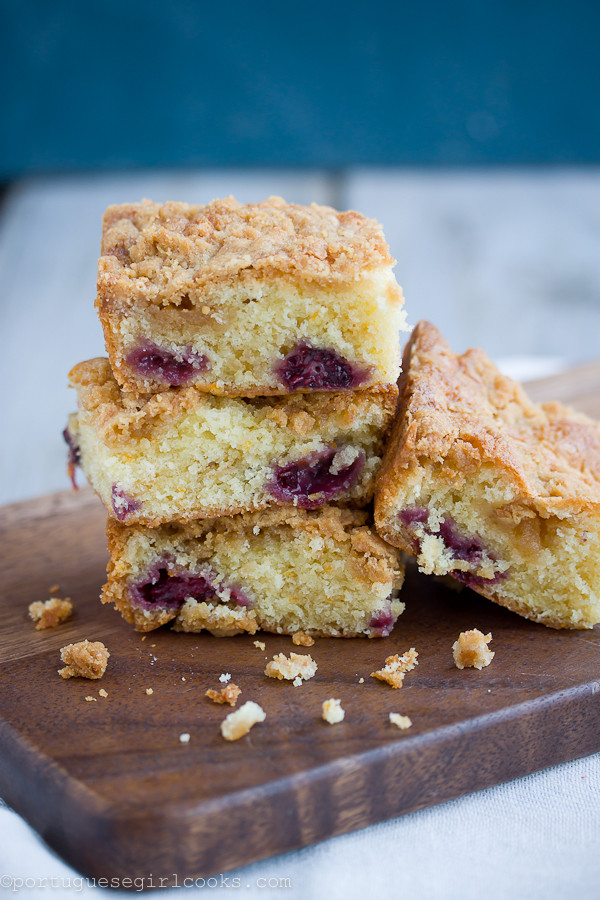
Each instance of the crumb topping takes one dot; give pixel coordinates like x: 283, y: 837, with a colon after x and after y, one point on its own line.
x: 238, y: 723
x: 85, y: 659
x: 297, y: 665
x: 332, y: 711
x: 154, y: 250
x: 50, y: 613
x: 227, y: 694
x: 302, y: 640
x: 461, y: 410
x: 396, y: 668
x: 471, y: 650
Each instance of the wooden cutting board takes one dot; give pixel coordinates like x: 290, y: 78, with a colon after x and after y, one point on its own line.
x: 109, y: 785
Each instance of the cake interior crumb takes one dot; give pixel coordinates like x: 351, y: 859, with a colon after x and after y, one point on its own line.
x: 238, y: 723
x: 298, y: 665
x: 300, y: 638
x: 402, y: 722
x: 225, y: 677
x: 332, y: 711
x: 260, y: 645
x: 85, y: 659
x: 184, y: 738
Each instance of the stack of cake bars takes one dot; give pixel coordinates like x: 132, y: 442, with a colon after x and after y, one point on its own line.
x: 236, y: 430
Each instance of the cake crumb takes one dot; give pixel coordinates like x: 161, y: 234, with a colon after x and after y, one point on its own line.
x: 54, y: 589
x: 297, y: 681
x: 361, y: 680
x: 50, y: 613
x: 303, y: 640
x: 471, y: 650
x: 144, y: 637
x: 85, y: 659
x: 149, y: 691
x: 184, y: 738
x: 238, y: 723
x: 297, y: 666
x: 260, y: 645
x: 332, y: 711
x: 225, y: 677
x: 228, y: 694
x: 183, y: 678
x: 396, y: 668
x: 90, y: 699
x: 402, y: 722
x: 103, y: 693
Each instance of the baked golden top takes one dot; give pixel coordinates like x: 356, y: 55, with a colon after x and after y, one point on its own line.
x: 461, y: 412
x: 155, y: 251
x: 120, y: 416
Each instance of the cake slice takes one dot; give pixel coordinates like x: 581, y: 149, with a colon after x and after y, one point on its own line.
x: 501, y: 493
x: 319, y: 572
x: 182, y: 454
x: 247, y: 300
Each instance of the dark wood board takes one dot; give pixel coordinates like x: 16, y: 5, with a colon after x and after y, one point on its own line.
x: 109, y: 785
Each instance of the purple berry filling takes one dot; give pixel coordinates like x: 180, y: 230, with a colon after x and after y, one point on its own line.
x: 160, y: 364
x: 383, y: 621
x: 469, y: 548
x: 309, y: 481
x: 74, y: 458
x: 169, y: 590
x: 123, y: 505
x: 318, y: 369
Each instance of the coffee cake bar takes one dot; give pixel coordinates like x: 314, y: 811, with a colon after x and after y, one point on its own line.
x: 320, y: 572
x: 500, y: 493
x: 247, y: 300
x: 183, y: 454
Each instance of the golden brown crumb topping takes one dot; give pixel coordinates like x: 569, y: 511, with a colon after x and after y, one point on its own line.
x: 50, y: 613
x: 471, y: 650
x: 302, y: 640
x: 396, y: 668
x: 461, y: 411
x: 85, y: 659
x: 152, y: 251
x: 229, y: 693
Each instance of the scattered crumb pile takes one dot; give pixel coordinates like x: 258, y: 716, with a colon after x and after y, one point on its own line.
x: 396, y: 668
x: 298, y: 665
x: 402, y: 722
x: 332, y: 711
x: 302, y: 640
x: 228, y: 694
x: 238, y: 723
x: 50, y: 613
x: 86, y: 659
x: 471, y: 650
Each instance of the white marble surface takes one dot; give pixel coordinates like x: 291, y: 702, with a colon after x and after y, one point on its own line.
x: 506, y: 260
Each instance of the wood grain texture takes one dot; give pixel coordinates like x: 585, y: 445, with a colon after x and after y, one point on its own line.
x: 108, y: 784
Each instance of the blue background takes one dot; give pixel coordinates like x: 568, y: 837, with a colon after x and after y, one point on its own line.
x: 121, y: 84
